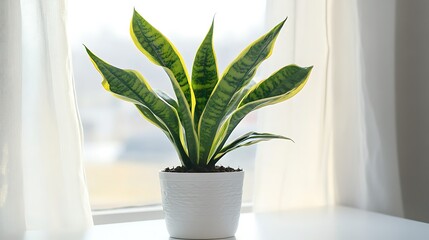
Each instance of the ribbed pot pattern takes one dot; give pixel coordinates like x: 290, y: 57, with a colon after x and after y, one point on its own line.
x: 201, y: 205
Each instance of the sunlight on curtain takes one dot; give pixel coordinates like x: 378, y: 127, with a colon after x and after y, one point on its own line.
x: 341, y: 152
x: 291, y: 175
x: 362, y: 90
x: 52, y: 189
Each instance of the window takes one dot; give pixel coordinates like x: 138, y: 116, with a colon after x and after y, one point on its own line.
x: 123, y: 152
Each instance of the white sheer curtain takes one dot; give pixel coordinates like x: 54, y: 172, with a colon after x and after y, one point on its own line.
x: 343, y: 122
x: 292, y: 175
x: 42, y: 183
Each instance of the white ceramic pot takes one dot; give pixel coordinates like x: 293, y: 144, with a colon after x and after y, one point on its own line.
x: 201, y: 205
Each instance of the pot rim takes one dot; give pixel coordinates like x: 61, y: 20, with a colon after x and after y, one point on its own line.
x: 162, y: 171
x: 191, y: 176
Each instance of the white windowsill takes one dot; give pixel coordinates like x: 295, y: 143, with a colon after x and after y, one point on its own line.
x: 325, y: 223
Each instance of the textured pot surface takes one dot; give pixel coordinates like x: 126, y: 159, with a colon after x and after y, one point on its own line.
x: 201, y: 205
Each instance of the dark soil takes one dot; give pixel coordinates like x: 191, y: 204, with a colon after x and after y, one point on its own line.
x: 202, y: 169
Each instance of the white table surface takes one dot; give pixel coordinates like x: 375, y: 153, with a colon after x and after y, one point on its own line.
x: 317, y: 223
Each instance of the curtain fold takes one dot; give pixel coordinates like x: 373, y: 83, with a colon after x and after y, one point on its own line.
x: 342, y: 122
x: 11, y: 182
x: 46, y: 132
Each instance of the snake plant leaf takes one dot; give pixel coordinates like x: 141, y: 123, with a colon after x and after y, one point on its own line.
x: 235, y: 77
x: 175, y: 140
x: 235, y: 101
x: 281, y: 82
x: 246, y: 140
x: 238, y: 98
x: 162, y: 52
x: 131, y: 86
x: 289, y: 80
x: 204, y: 73
x: 187, y: 121
x: 167, y: 98
x: 148, y: 115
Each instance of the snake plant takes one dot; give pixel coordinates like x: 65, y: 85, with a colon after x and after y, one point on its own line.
x: 207, y: 106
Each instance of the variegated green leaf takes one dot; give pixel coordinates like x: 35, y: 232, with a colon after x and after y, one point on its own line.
x: 162, y: 52
x: 187, y: 121
x: 238, y: 97
x: 281, y: 82
x: 167, y: 98
x: 236, y: 76
x: 289, y: 80
x: 246, y: 140
x: 235, y: 101
x: 131, y: 86
x: 148, y: 115
x: 204, y: 74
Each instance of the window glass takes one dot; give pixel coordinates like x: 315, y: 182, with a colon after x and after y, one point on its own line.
x: 123, y: 152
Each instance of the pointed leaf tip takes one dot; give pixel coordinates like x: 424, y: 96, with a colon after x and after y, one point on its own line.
x: 89, y: 51
x: 86, y: 48
x: 92, y: 55
x: 280, y: 25
x: 136, y: 14
x: 282, y: 22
